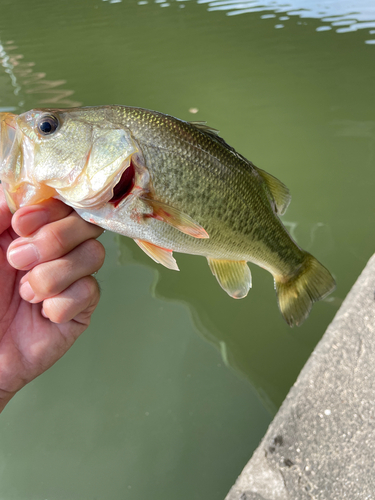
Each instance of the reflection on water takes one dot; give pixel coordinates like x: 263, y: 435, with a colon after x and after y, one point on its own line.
x: 352, y: 14
x: 25, y: 80
x: 209, y: 316
x: 343, y: 16
x: 213, y: 316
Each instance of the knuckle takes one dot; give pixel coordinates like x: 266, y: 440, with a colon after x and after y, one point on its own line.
x: 88, y: 288
x: 42, y: 281
x: 91, y: 230
x: 55, y: 312
x: 90, y: 294
x: 57, y: 316
x: 79, y: 300
x: 52, y: 239
x: 95, y: 252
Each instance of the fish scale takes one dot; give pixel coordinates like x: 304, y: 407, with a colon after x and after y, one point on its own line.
x: 179, y: 187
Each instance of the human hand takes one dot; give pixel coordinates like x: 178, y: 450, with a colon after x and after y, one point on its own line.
x: 47, y: 293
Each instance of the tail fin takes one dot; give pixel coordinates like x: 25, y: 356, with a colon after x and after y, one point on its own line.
x: 297, y: 295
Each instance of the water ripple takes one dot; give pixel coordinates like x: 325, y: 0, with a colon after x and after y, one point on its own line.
x: 343, y: 16
x: 25, y: 81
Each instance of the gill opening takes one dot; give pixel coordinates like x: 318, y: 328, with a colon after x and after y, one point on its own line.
x: 124, y: 186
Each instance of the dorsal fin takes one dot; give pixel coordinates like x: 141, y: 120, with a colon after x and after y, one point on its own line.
x: 205, y: 128
x: 278, y: 191
x: 214, y: 134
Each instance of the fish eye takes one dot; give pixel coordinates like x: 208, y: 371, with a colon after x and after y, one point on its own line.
x: 47, y: 124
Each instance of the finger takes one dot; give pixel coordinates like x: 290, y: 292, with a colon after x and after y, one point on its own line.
x: 51, y: 278
x: 27, y: 220
x: 51, y: 242
x: 5, y: 215
x: 77, y: 303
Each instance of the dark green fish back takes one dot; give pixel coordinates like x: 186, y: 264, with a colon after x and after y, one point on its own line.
x: 199, y: 173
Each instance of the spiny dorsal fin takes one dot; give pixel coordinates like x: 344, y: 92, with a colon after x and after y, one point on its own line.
x: 158, y: 254
x: 175, y: 218
x: 205, y: 128
x: 214, y: 134
x: 233, y: 276
x: 279, y: 192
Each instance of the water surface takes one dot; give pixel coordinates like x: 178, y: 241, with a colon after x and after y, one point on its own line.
x: 172, y: 387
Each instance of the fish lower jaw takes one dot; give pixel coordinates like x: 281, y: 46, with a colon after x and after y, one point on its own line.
x: 26, y: 194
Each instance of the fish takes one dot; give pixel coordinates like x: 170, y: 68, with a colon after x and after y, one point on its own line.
x: 170, y: 185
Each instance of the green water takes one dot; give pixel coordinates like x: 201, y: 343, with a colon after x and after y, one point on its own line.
x: 170, y: 390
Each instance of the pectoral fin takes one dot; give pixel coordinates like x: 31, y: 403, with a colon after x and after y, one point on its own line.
x: 233, y: 276
x: 175, y: 218
x: 158, y: 254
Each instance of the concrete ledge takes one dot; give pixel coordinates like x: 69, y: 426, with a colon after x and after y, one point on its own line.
x: 321, y: 444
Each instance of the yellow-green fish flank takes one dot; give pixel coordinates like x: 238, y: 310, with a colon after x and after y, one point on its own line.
x: 170, y: 185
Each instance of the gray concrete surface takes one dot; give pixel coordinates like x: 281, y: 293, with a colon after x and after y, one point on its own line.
x: 321, y: 444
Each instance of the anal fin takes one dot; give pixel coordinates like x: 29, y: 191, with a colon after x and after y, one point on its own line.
x: 158, y: 254
x: 175, y: 218
x: 234, y: 276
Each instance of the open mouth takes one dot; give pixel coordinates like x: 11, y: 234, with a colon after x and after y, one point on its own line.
x: 90, y: 191
x: 124, y: 186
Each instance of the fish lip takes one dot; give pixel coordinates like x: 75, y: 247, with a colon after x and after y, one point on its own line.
x: 9, y: 146
x: 8, y: 197
x: 8, y: 130
x: 10, y: 122
x: 8, y: 119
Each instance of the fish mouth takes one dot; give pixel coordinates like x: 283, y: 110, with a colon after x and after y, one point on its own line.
x: 8, y: 128
x: 105, y: 178
x: 7, y: 136
x: 17, y: 192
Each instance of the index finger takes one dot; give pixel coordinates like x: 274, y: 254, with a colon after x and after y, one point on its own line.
x: 51, y: 241
x: 29, y: 219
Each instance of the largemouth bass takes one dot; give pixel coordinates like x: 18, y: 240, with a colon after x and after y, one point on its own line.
x: 170, y: 185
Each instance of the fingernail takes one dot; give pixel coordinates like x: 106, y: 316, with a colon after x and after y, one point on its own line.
x: 24, y: 278
x: 26, y: 292
x: 23, y: 256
